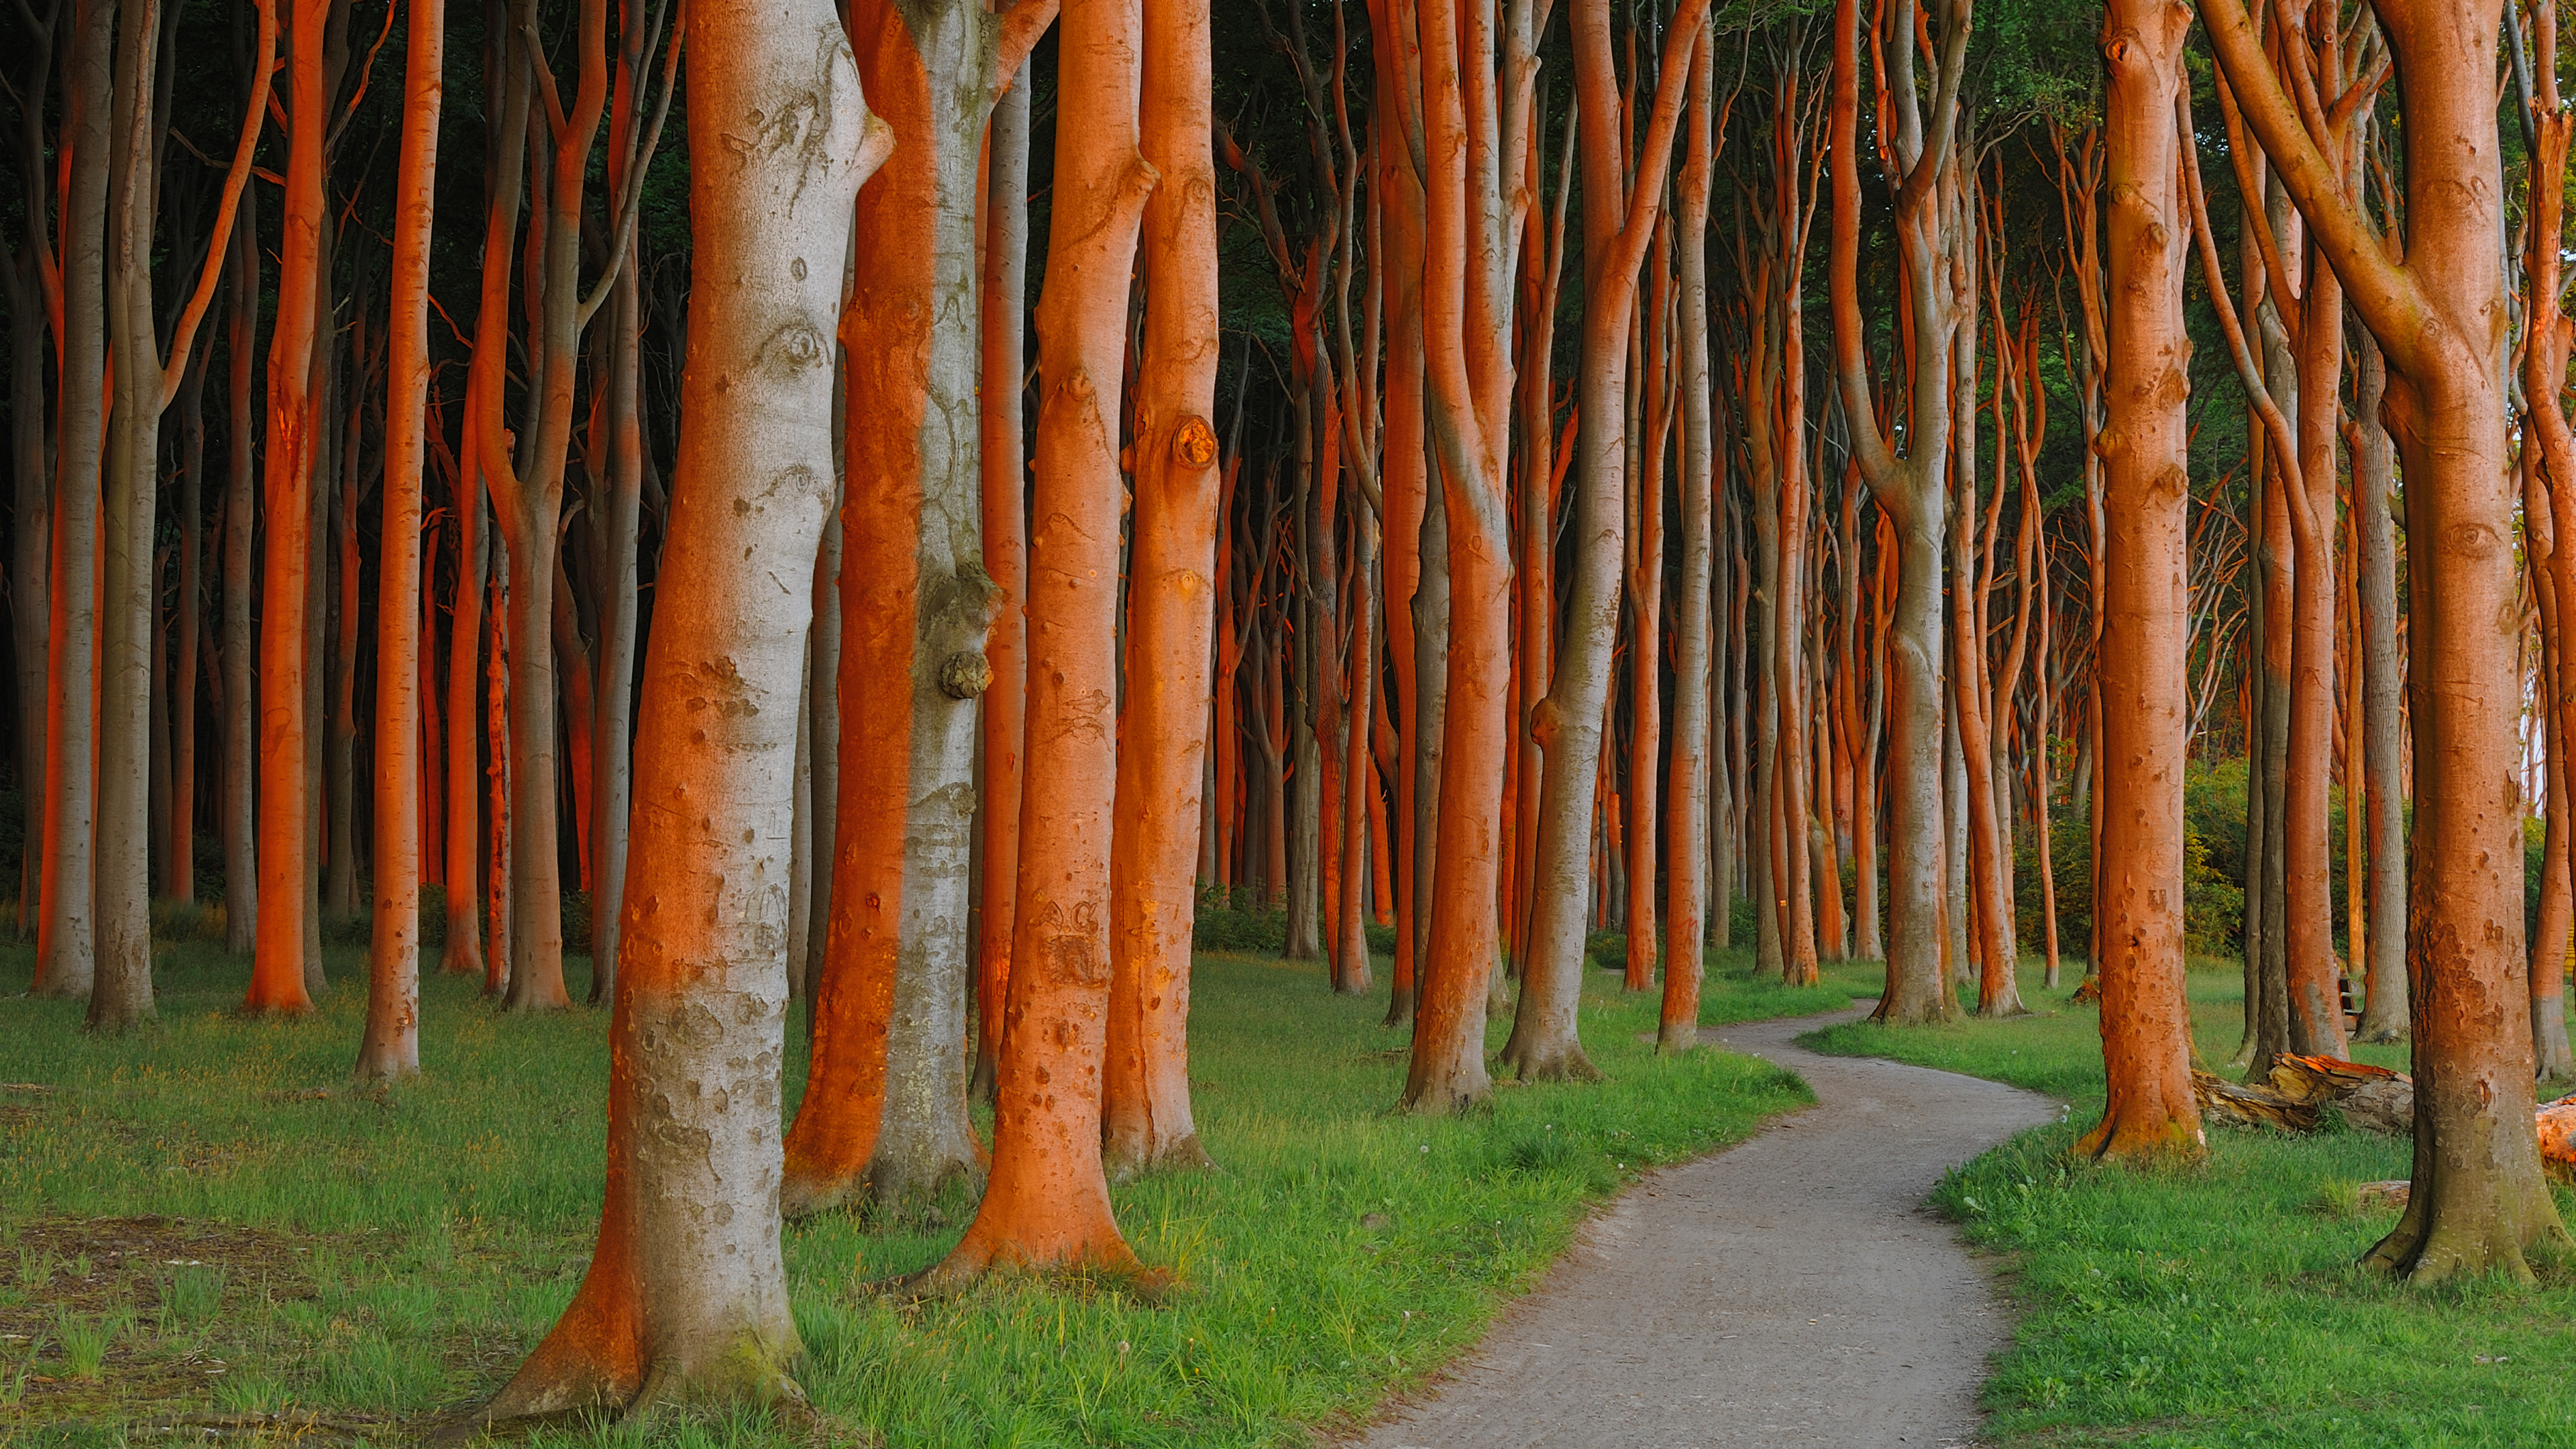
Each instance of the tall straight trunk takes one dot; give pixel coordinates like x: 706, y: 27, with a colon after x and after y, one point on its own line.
x: 499, y: 840
x: 340, y: 882
x: 612, y: 758
x: 1048, y: 1201
x: 2554, y: 926
x: 1645, y: 617
x: 2145, y: 611
x: 461, y: 953
x: 1003, y: 506
x: 686, y: 1298
x: 2479, y: 1201
x: 128, y: 598
x: 1618, y: 222
x: 885, y: 1103
x: 1347, y: 911
x: 391, y: 1044
x: 468, y: 771
x: 2374, y: 474
x: 179, y: 883
x: 278, y: 965
x: 66, y: 930
x: 31, y: 287
x: 433, y: 750
x: 2315, y: 1015
x: 1688, y: 872
x: 1145, y: 1084
x: 241, y: 504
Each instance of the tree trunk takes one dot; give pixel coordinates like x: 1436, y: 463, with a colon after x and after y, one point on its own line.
x: 241, y: 503
x: 391, y: 1046
x: 1687, y: 870
x: 66, y: 939
x: 278, y: 965
x: 1618, y: 221
x: 1004, y: 510
x: 1912, y: 492
x: 686, y: 1298
x: 2145, y: 611
x: 2374, y: 473
x: 1048, y: 1202
x: 1145, y: 1087
x: 2479, y: 1201
x: 885, y: 1104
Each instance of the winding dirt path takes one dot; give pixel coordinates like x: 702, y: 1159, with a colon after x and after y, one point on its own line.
x: 1792, y: 1290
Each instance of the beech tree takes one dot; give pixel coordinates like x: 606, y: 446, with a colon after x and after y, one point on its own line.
x: 1047, y: 1201
x: 1145, y: 1088
x: 2479, y: 1201
x: 686, y: 1297
x: 391, y: 1047
x: 885, y: 1104
x: 2146, y: 1021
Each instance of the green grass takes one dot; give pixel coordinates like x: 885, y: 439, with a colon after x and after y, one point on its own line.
x: 2220, y: 1305
x: 229, y: 1227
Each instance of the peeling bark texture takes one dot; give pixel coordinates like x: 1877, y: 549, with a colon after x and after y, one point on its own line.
x: 885, y: 1104
x: 2142, y: 667
x: 686, y: 1297
x: 1171, y: 616
x: 2479, y: 1202
x: 391, y: 1045
x: 1047, y: 1204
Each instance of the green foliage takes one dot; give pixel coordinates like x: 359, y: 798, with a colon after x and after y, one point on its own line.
x: 390, y: 1252
x: 2213, y: 866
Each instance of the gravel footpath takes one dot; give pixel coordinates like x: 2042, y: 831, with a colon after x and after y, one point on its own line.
x: 1792, y: 1290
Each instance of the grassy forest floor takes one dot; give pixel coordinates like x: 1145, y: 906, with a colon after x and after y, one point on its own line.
x: 203, y: 1227
x: 2221, y: 1306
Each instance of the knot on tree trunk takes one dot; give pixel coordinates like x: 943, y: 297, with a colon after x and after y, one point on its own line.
x: 965, y: 674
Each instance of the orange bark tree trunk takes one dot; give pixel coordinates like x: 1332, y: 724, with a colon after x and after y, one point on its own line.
x: 2146, y: 1024
x: 278, y: 967
x: 1047, y: 1202
x: 686, y: 1297
x: 885, y: 1097
x: 1687, y: 873
x: 1618, y: 221
x: 2479, y: 1201
x: 391, y: 1044
x: 1478, y: 117
x: 66, y: 926
x: 1004, y: 506
x: 1145, y: 1088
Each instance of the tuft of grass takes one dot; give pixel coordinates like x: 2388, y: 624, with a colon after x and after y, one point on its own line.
x: 397, y: 1253
x: 84, y: 1345
x: 2220, y: 1304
